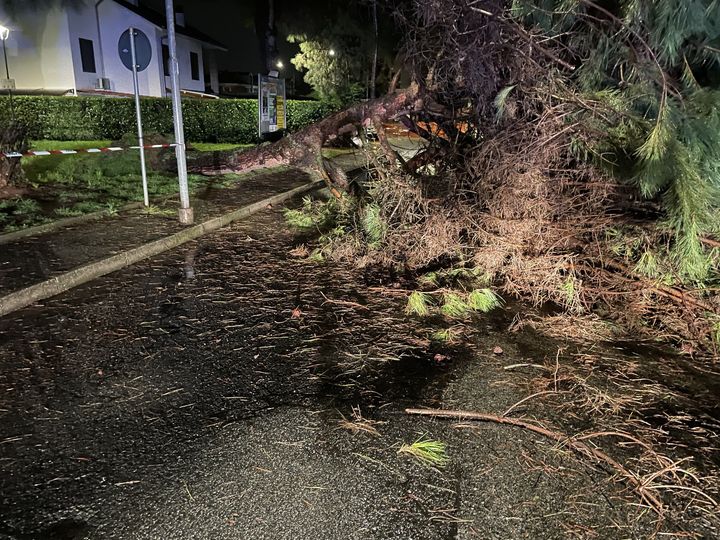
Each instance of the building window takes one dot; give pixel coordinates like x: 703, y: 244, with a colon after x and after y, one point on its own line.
x: 195, y: 66
x: 166, y: 60
x: 87, y: 55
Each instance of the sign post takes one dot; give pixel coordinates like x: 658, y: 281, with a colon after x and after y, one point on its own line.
x: 271, y: 105
x: 139, y: 59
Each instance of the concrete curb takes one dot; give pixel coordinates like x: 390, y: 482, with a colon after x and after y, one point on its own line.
x: 77, y: 220
x: 63, y: 282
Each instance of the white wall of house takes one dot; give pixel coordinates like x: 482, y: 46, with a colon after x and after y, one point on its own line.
x: 39, y: 55
x: 185, y: 46
x: 114, y: 20
x: 44, y: 50
x: 83, y: 24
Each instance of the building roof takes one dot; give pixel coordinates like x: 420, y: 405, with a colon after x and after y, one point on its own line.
x: 158, y: 19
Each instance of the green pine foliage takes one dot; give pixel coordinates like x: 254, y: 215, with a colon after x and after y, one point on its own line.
x: 313, y: 214
x: 374, y: 224
x: 654, y: 69
x: 501, y: 102
x: 484, y: 300
x: 455, y: 306
x: 419, y: 304
x: 429, y: 452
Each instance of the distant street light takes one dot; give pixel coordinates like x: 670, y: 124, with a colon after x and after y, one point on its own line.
x: 4, y: 34
x: 279, y: 64
x: 331, y: 52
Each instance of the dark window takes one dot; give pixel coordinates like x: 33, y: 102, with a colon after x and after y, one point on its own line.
x: 195, y: 66
x: 166, y: 60
x: 87, y: 55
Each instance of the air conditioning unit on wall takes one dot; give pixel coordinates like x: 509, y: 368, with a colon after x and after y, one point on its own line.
x: 102, y: 83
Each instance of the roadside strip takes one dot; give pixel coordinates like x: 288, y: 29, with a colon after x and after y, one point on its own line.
x: 7, y: 238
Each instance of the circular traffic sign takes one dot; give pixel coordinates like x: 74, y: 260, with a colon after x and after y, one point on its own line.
x: 143, y: 50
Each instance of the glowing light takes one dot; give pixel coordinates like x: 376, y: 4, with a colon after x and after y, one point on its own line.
x: 279, y: 64
x: 331, y: 52
x: 4, y: 32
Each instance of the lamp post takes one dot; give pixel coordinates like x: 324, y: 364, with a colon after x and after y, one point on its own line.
x: 185, y: 213
x: 4, y: 34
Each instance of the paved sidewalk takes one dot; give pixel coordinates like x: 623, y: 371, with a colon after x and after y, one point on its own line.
x: 30, y: 260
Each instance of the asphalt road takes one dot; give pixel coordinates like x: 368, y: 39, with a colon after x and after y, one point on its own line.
x: 202, y: 394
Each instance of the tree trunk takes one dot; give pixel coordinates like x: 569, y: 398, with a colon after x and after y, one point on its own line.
x: 303, y: 148
x: 373, y: 71
x: 270, y: 39
x: 13, y: 138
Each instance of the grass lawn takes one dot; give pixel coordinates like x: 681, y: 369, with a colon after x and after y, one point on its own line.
x: 212, y: 147
x: 76, y: 184
x: 34, y: 166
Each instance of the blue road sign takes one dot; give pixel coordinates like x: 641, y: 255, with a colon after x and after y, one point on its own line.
x: 143, y: 50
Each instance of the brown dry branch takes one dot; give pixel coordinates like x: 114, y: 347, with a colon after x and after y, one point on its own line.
x: 580, y: 447
x: 13, y: 138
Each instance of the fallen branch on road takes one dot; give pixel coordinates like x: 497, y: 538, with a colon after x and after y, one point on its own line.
x: 579, y: 447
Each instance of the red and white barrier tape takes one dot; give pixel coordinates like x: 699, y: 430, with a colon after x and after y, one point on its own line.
x: 79, y: 151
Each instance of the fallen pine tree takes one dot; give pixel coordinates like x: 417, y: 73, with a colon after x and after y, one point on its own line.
x: 303, y: 148
x: 575, y: 159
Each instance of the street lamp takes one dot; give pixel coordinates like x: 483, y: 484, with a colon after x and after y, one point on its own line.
x: 331, y: 52
x: 4, y: 34
x: 279, y: 64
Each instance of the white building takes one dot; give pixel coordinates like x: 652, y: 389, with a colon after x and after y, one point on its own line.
x: 75, y: 50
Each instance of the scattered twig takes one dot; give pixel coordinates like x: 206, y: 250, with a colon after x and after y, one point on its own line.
x: 343, y: 303
x: 513, y: 407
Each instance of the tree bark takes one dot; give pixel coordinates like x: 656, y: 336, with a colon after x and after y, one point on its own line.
x: 13, y: 138
x: 270, y: 38
x: 373, y: 71
x: 303, y: 148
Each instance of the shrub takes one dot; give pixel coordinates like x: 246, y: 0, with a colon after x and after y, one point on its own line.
x: 217, y: 120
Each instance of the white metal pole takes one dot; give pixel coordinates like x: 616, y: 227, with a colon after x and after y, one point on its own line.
x: 141, y: 142
x: 185, y: 213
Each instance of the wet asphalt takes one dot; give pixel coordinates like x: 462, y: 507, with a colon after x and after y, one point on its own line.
x: 201, y: 394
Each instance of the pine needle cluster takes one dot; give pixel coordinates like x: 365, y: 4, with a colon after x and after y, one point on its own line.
x: 453, y: 304
x: 429, y: 452
x: 653, y: 67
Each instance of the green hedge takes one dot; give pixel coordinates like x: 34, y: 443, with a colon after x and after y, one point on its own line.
x: 90, y: 118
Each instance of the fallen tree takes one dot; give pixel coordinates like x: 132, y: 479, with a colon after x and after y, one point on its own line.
x: 571, y: 157
x: 303, y: 149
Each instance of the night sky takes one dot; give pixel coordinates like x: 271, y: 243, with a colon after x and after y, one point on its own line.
x: 232, y: 22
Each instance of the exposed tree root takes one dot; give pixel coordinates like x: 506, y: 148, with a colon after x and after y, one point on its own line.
x: 578, y: 446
